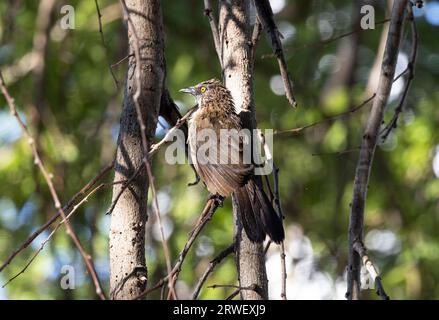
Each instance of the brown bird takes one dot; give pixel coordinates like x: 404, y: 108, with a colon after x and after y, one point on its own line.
x: 216, y: 112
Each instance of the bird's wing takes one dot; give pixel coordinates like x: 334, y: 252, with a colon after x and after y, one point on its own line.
x: 222, y: 171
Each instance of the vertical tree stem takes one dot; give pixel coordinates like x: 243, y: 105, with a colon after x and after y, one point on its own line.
x: 128, y: 272
x: 368, y: 145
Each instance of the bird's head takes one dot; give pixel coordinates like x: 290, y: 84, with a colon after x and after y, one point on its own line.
x: 206, y: 91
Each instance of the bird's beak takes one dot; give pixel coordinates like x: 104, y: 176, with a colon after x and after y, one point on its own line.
x: 190, y: 90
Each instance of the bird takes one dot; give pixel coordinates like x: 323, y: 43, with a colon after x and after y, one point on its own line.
x: 216, y: 112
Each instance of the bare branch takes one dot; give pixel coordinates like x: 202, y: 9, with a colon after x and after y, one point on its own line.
x: 152, y: 151
x: 257, y: 29
x: 370, y: 267
x: 252, y: 287
x: 214, y: 27
x: 48, y: 178
x: 104, y: 43
x: 207, y: 213
x: 325, y: 42
x: 66, y: 208
x: 410, y: 75
x: 329, y: 119
x: 63, y: 221
x: 364, y: 165
x: 121, y: 60
x: 283, y: 293
x: 217, y: 260
x: 265, y: 14
x: 337, y: 153
x: 55, y: 217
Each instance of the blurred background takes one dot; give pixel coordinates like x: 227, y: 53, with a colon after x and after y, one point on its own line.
x: 65, y: 92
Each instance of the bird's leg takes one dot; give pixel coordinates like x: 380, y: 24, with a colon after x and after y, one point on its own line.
x: 197, y: 178
x: 218, y: 200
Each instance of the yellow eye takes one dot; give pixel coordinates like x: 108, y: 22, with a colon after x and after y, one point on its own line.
x: 203, y: 89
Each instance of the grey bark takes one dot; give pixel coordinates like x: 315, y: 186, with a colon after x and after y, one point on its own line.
x: 368, y: 146
x: 128, y: 271
x: 235, y: 34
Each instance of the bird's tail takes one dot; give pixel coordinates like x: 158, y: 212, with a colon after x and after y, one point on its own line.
x: 257, y: 213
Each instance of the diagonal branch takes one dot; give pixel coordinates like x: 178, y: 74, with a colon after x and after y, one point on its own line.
x: 217, y: 260
x: 207, y: 214
x: 265, y: 14
x: 208, y: 12
x: 152, y: 151
x: 370, y: 267
x: 63, y: 221
x: 67, y: 208
x: 104, y: 43
x: 48, y: 178
x: 238, y: 289
x: 329, y: 119
x: 410, y: 75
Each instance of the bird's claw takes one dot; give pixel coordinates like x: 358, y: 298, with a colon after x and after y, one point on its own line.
x: 218, y: 200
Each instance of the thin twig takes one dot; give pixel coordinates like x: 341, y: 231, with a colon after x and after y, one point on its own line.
x: 121, y: 60
x: 265, y: 14
x: 214, y: 27
x: 101, y: 31
x: 252, y: 287
x: 329, y: 119
x: 370, y: 267
x: 336, y: 153
x: 338, y: 116
x: 48, y: 178
x: 275, y: 200
x: 217, y: 260
x: 257, y: 29
x: 55, y: 217
x: 410, y: 75
x: 324, y: 42
x: 207, y: 213
x: 283, y: 270
x: 63, y: 221
x: 152, y: 151
x: 234, y: 294
x: 169, y: 135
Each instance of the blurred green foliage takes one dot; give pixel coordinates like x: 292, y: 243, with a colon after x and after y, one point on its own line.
x: 80, y: 122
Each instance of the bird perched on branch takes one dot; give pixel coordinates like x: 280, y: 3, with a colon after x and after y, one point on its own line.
x: 222, y: 166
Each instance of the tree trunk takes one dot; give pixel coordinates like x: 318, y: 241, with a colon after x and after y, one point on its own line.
x: 128, y: 271
x: 235, y: 41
